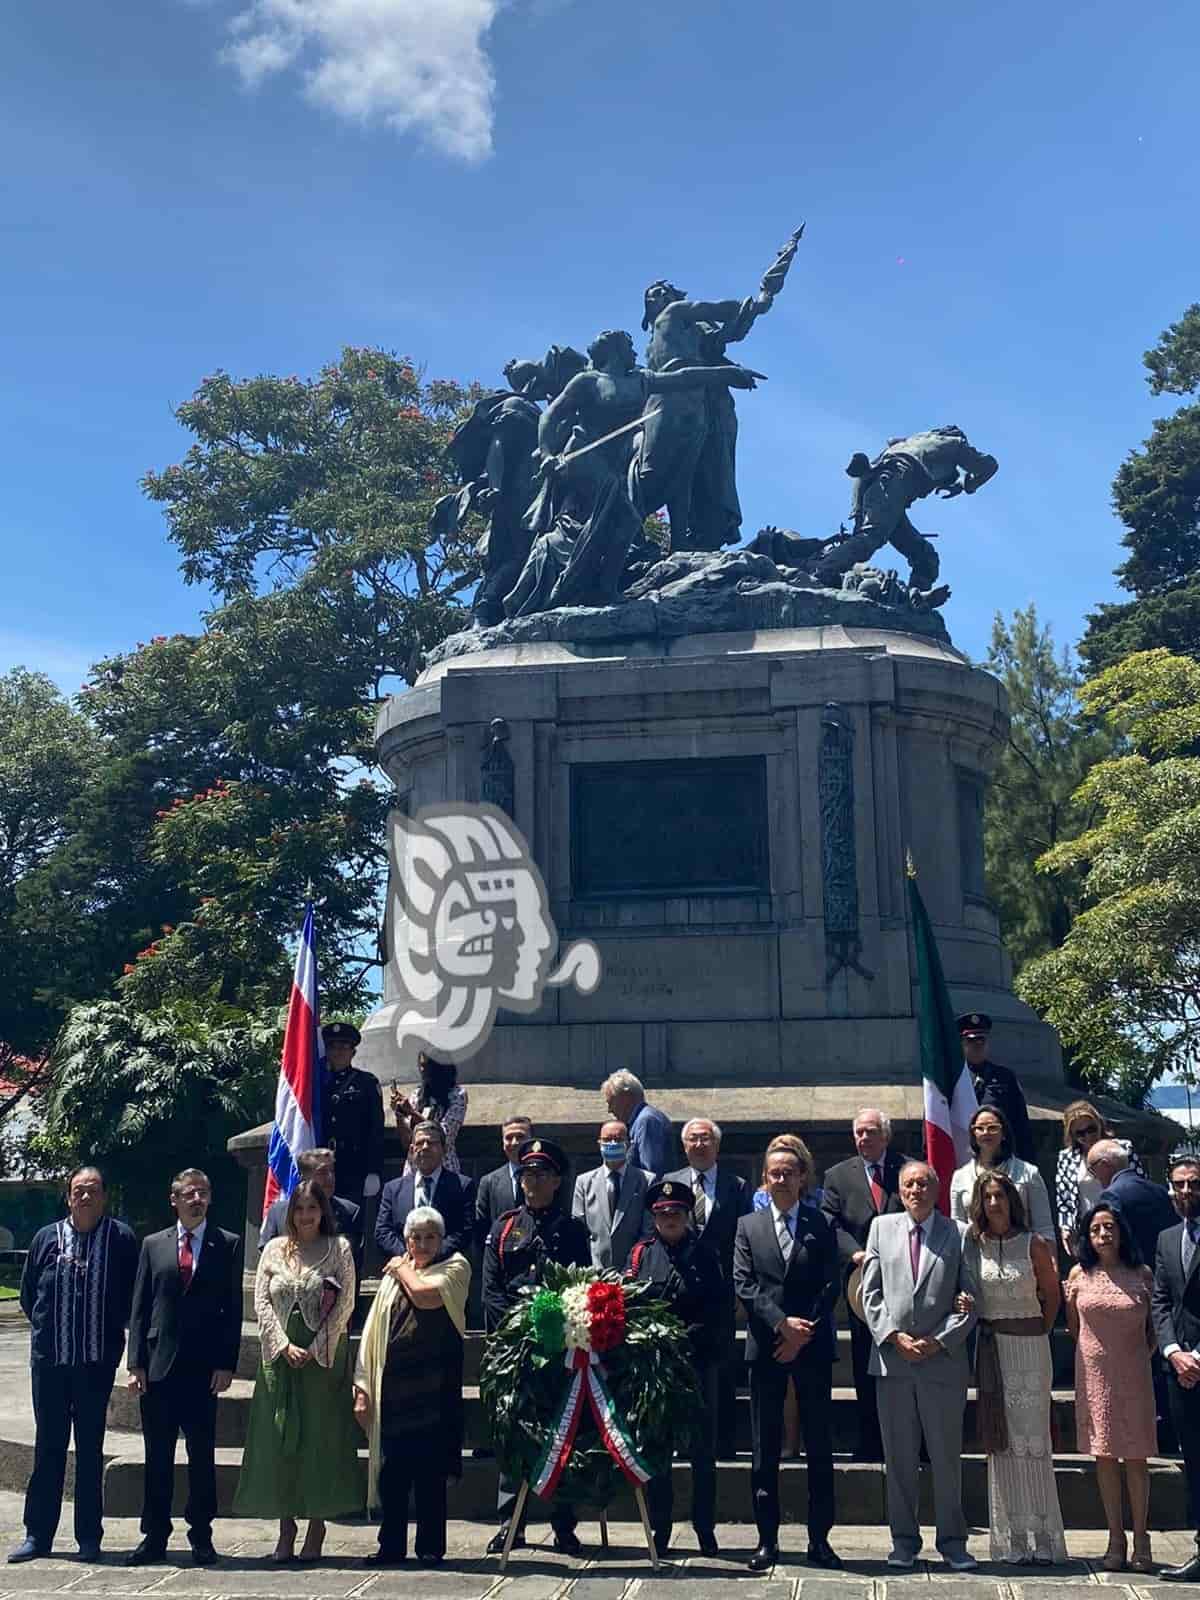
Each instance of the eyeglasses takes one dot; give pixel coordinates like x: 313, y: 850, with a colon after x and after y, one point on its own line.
x: 988, y: 1127
x: 1186, y: 1185
x: 193, y: 1194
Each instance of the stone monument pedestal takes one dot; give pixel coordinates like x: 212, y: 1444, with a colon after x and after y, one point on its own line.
x: 728, y: 816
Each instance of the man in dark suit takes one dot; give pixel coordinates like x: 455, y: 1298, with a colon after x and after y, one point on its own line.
x: 721, y: 1199
x: 184, y: 1333
x: 995, y: 1085
x: 500, y: 1191
x: 432, y: 1184
x: 1175, y: 1309
x: 785, y: 1272
x: 318, y: 1166
x: 855, y: 1193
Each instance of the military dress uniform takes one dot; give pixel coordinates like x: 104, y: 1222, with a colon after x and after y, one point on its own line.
x: 688, y: 1277
x: 999, y: 1087
x: 352, y: 1114
x: 518, y: 1247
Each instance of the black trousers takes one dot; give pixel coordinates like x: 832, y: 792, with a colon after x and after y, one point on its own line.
x: 814, y: 1401
x: 870, y: 1441
x: 402, y: 1473
x: 66, y: 1398
x: 660, y: 1494
x: 182, y: 1402
x: 1185, y: 1413
x: 731, y: 1371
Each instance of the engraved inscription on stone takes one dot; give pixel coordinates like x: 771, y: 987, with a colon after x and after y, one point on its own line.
x: 664, y: 828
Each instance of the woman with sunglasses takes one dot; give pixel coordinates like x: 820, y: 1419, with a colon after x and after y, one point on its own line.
x: 1075, y: 1190
x: 992, y: 1143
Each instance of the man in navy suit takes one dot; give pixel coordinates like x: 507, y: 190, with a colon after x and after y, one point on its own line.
x: 432, y: 1184
x: 785, y: 1272
x: 500, y: 1190
x: 720, y: 1200
x: 185, y: 1330
x: 1175, y: 1310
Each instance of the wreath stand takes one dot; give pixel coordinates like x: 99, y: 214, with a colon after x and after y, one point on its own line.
x: 519, y: 1512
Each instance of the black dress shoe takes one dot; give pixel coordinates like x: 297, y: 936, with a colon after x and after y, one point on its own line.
x: 89, y: 1550
x: 144, y: 1554
x: 428, y: 1561
x: 28, y: 1550
x: 764, y: 1558
x: 1189, y: 1572
x: 822, y: 1554
x: 203, y: 1555
x: 566, y: 1542
x: 496, y: 1542
x: 384, y: 1558
x: 708, y: 1544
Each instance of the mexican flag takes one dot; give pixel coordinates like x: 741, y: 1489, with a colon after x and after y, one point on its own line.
x: 949, y: 1091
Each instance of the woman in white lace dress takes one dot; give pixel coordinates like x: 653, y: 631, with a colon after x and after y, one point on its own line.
x: 439, y: 1097
x: 1020, y: 1295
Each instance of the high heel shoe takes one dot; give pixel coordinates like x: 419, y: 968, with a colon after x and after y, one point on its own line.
x: 1113, y: 1559
x: 1142, y: 1561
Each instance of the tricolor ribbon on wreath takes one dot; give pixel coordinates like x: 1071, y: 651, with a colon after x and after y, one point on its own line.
x: 587, y: 1388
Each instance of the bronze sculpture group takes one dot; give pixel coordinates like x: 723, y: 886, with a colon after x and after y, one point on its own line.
x: 567, y: 490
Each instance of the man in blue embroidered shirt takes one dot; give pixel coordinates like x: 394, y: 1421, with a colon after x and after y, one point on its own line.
x: 651, y: 1144
x: 76, y: 1290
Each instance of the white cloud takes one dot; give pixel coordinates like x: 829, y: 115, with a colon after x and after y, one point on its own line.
x: 414, y: 65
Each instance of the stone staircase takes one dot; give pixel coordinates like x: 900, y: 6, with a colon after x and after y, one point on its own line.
x: 860, y: 1486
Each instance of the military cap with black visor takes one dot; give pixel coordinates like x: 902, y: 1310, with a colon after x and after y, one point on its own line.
x: 351, y: 1115
x: 995, y: 1085
x: 686, y: 1272
x: 521, y: 1244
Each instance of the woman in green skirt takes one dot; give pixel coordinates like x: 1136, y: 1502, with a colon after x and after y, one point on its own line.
x: 301, y: 1455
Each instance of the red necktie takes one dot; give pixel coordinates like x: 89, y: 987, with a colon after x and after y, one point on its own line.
x: 187, y: 1261
x: 877, y: 1194
x: 914, y: 1251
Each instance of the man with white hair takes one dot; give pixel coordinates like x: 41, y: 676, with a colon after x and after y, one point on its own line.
x: 855, y: 1193
x: 913, y: 1272
x: 650, y: 1142
x: 720, y: 1198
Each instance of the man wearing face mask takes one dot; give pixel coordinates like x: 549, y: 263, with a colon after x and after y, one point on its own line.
x: 1175, y: 1311
x: 686, y: 1274
x: 610, y: 1201
x: 518, y: 1248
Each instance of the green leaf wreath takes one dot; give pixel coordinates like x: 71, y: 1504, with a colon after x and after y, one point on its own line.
x: 523, y: 1381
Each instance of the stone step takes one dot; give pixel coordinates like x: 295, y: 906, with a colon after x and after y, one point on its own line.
x: 1062, y: 1351
x: 860, y: 1492
x: 233, y: 1410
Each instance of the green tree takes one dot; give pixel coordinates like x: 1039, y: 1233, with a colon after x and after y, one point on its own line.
x: 1124, y: 988
x: 1156, y: 494
x: 148, y: 1094
x: 1031, y: 807
x: 49, y: 754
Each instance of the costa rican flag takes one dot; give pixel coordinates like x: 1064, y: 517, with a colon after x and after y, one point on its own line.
x: 298, y: 1098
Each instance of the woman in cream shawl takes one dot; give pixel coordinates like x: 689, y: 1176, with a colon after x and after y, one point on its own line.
x: 408, y: 1388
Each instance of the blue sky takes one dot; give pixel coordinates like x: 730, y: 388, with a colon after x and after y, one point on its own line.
x: 1002, y: 215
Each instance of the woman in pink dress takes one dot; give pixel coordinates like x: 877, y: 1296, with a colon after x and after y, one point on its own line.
x: 1108, y: 1315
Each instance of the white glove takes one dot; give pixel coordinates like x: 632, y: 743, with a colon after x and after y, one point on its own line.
x: 371, y: 1186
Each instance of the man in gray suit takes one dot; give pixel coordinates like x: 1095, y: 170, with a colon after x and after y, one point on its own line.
x: 913, y: 1273
x: 611, y: 1200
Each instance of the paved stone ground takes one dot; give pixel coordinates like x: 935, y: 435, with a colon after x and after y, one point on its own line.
x: 537, y: 1573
